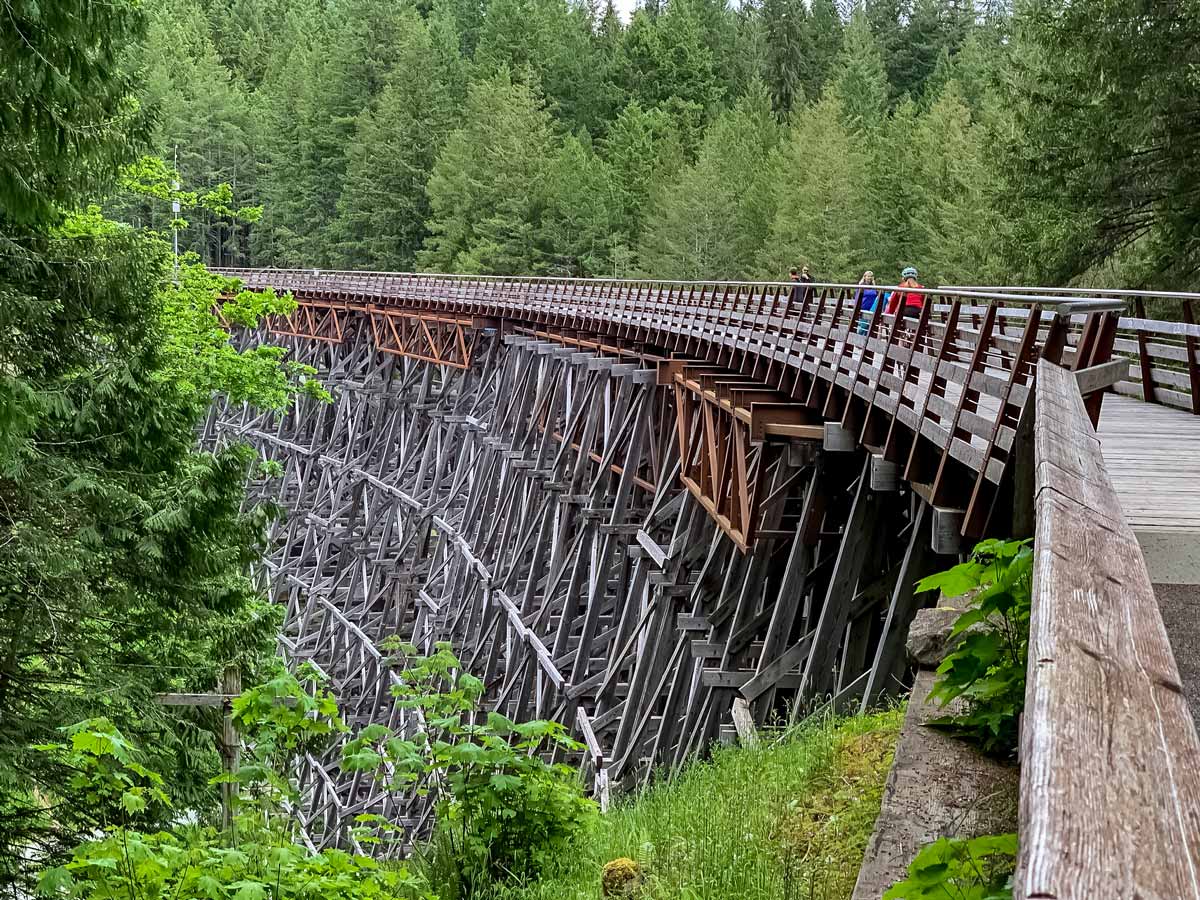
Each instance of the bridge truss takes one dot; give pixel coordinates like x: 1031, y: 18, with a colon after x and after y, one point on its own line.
x: 628, y: 540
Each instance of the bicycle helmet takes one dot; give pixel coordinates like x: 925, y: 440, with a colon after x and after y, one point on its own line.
x: 909, y: 272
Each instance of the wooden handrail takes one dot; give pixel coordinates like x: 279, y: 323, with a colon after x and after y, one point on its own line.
x: 1110, y: 760
x: 940, y: 394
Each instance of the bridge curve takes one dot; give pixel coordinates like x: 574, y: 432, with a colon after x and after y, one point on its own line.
x: 646, y: 509
x: 939, y: 397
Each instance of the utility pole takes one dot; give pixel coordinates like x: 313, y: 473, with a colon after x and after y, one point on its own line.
x: 228, y: 743
x: 175, y: 214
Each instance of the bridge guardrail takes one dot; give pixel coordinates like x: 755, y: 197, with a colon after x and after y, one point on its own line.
x: 954, y: 375
x: 1165, y: 356
x: 1110, y: 760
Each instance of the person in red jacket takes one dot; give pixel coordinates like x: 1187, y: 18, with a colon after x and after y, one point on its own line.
x: 904, y: 301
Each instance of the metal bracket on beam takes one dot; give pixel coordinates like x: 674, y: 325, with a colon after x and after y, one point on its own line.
x: 802, y: 453
x: 947, y: 530
x: 885, y: 476
x: 838, y: 438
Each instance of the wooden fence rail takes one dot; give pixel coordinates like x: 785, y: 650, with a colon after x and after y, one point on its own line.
x: 938, y: 393
x: 1164, y: 356
x: 1110, y: 760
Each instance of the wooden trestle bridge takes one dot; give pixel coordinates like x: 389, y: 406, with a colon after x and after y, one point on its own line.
x: 651, y: 509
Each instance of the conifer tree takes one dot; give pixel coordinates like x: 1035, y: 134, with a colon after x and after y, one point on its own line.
x: 826, y: 43
x: 670, y: 65
x: 487, y: 192
x: 383, y: 207
x: 823, y: 211
x: 861, y: 80
x: 884, y: 17
x: 1106, y: 158
x: 958, y: 224
x: 789, y: 47
x: 710, y: 221
x: 340, y: 61
x: 577, y: 228
x: 204, y: 122
x: 123, y: 551
x: 642, y: 150
x: 553, y: 43
x: 896, y: 193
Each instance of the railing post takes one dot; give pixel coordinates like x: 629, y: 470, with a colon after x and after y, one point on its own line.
x: 1095, y: 347
x: 1192, y: 346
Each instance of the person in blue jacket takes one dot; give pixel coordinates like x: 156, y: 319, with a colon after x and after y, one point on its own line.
x: 868, y: 296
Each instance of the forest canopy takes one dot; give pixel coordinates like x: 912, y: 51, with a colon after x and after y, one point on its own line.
x: 982, y: 141
x: 979, y: 140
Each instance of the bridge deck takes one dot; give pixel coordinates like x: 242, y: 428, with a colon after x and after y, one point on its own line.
x: 1153, y: 458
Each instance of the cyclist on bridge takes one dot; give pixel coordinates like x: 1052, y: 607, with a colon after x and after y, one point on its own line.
x: 906, y: 303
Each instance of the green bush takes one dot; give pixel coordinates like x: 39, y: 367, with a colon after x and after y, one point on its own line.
x: 502, y: 811
x: 960, y: 869
x: 259, y: 857
x: 987, y: 667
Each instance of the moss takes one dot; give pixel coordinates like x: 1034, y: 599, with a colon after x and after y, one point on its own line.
x: 621, y: 878
x: 824, y: 833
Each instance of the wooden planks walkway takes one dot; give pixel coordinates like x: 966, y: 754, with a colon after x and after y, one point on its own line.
x: 1152, y: 454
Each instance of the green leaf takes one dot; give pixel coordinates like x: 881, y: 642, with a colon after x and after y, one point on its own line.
x: 374, y: 732
x: 210, y: 887
x: 132, y: 803
x: 55, y: 880
x: 249, y: 890
x: 502, y: 782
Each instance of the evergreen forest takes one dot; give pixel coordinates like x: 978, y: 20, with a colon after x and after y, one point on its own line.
x: 700, y: 139
x: 982, y: 141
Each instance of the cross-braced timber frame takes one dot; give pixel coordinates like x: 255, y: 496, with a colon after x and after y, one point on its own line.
x: 624, y: 536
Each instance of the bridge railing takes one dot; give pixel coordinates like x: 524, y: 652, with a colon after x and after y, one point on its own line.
x: 954, y: 375
x: 1164, y: 355
x: 1110, y: 761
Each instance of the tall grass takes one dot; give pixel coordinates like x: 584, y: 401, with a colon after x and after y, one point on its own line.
x: 788, y: 820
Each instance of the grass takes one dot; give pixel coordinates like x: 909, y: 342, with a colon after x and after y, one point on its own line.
x: 786, y: 821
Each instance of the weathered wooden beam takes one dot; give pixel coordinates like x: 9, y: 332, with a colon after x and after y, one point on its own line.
x: 1110, y: 774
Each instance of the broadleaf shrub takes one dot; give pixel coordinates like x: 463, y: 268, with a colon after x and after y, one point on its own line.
x: 978, y: 868
x: 503, y: 812
x: 259, y: 858
x: 987, y: 666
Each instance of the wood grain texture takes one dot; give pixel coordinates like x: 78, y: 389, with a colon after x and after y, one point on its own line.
x: 1152, y: 454
x: 1110, y: 779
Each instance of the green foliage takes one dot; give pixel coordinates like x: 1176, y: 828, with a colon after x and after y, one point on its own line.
x: 259, y: 859
x: 861, y: 79
x: 487, y: 190
x: 989, y: 142
x: 280, y: 719
x: 790, y: 817
x: 1106, y: 165
x: 710, y: 220
x: 669, y: 65
x: 823, y: 216
x: 549, y: 45
x: 977, y: 868
x: 204, y: 123
x: 383, y: 205
x: 69, y: 119
x: 991, y: 643
x: 503, y: 812
x: 788, y: 40
x: 124, y: 552
x: 643, y: 152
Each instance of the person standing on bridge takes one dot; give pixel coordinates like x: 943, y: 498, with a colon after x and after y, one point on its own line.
x: 798, y: 278
x: 868, y: 297
x: 904, y: 302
